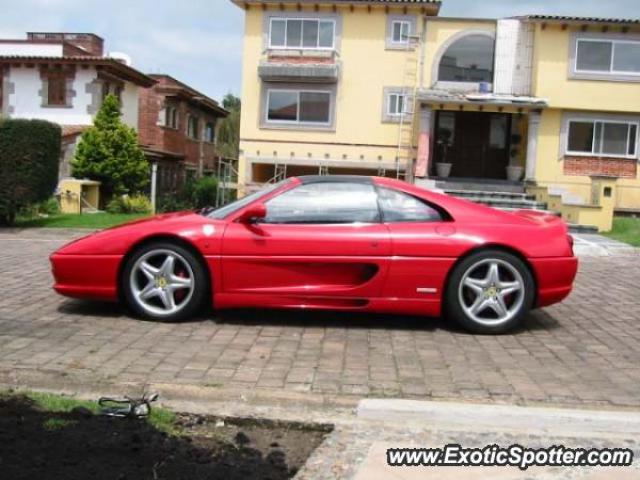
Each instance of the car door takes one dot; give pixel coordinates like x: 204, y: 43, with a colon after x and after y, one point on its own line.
x: 423, y: 247
x: 321, y: 244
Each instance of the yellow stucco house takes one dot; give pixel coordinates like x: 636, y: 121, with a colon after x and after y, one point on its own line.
x: 531, y: 106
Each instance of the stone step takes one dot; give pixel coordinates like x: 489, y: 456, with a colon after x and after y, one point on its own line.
x: 506, y: 203
x: 510, y: 201
x: 482, y: 186
x: 582, y: 228
x: 486, y: 194
x: 548, y: 212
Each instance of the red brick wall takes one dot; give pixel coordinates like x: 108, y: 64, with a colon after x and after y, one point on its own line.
x: 88, y: 43
x: 610, y: 167
x: 149, y: 133
x: 192, y: 151
x: 91, y: 43
x: 301, y: 60
x: 169, y: 139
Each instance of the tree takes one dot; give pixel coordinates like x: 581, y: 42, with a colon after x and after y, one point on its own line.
x: 109, y: 152
x: 229, y: 133
x: 231, y: 102
x: 29, y: 162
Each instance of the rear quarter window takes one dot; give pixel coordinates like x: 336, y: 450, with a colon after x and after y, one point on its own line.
x: 401, y: 207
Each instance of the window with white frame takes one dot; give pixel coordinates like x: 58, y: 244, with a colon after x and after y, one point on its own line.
x: 602, y: 138
x: 396, y: 104
x: 302, y: 33
x: 400, y: 31
x: 607, y: 56
x: 298, y: 107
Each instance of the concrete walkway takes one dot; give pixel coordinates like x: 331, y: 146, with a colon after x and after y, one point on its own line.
x: 593, y: 245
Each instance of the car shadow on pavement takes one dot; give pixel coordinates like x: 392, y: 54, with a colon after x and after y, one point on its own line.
x: 536, y: 320
x: 91, y: 308
x: 328, y: 319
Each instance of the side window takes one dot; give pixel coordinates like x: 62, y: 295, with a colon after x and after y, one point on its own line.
x: 396, y: 104
x: 400, y: 31
x: 325, y: 203
x: 400, y: 207
x: 57, y: 90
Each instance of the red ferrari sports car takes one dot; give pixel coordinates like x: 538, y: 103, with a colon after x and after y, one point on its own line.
x: 330, y: 242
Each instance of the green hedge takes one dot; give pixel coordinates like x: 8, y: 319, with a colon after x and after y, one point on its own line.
x: 29, y: 162
x: 197, y: 193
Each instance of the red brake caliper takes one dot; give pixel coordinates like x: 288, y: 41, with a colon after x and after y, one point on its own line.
x: 180, y: 294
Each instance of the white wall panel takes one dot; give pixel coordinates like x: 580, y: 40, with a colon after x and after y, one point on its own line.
x: 513, y: 58
x: 30, y: 49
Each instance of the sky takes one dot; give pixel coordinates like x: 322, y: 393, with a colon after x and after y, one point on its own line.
x: 200, y: 41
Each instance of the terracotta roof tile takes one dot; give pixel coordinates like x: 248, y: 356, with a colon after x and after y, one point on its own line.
x: 563, y: 18
x: 106, y: 62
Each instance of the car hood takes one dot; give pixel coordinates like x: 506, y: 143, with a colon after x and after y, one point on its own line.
x: 119, y: 239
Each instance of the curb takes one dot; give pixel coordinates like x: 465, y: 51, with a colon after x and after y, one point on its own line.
x: 483, y: 418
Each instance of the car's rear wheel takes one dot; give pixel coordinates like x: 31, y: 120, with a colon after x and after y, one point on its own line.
x: 490, y: 292
x: 164, y: 282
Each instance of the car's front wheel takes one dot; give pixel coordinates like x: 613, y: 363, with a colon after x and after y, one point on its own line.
x: 164, y: 282
x: 490, y: 292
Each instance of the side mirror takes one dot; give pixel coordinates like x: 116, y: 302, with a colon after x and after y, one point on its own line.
x: 253, y: 213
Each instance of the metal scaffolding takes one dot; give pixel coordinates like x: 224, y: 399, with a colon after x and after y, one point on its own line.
x: 405, y: 151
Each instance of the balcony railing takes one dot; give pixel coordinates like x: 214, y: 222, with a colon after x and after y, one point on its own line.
x: 300, y: 65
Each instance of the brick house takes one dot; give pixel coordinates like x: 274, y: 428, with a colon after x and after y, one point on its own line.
x: 63, y: 78
x: 178, y: 128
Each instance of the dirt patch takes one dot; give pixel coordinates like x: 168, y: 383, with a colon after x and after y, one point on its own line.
x: 79, y: 445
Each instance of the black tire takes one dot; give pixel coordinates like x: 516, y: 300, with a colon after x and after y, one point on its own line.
x: 191, y: 306
x: 453, y: 301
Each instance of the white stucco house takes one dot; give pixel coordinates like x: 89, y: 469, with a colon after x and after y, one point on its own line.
x: 63, y: 78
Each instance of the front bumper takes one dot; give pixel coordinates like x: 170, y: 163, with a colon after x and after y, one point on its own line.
x: 86, y: 276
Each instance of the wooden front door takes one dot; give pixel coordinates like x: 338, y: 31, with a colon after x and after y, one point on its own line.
x: 477, y: 144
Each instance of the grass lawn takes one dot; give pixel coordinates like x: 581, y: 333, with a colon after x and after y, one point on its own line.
x: 93, y: 220
x: 626, y: 229
x: 54, y: 436
x: 160, y: 418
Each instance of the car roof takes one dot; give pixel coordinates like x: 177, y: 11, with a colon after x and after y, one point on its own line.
x: 307, y: 179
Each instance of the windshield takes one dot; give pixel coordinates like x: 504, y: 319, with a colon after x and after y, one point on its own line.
x: 233, y: 207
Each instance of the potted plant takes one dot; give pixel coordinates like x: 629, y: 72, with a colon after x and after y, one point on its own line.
x: 514, y: 170
x: 443, y: 168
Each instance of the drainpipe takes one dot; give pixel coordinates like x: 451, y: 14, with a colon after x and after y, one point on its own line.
x: 201, y: 155
x: 154, y: 181
x: 423, y: 43
x: 200, y: 143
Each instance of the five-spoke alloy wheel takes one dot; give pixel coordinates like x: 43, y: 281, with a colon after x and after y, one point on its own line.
x: 165, y: 282
x: 490, y: 292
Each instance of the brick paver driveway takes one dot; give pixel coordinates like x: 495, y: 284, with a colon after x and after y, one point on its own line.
x: 584, y: 351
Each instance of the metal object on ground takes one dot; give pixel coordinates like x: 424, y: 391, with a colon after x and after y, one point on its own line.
x: 127, y: 407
